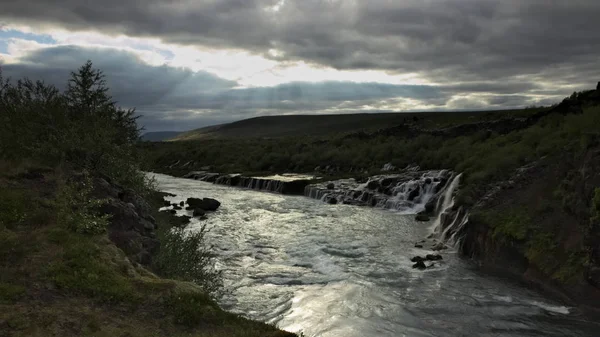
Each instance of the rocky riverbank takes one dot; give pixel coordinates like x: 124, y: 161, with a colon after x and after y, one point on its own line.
x: 58, y: 280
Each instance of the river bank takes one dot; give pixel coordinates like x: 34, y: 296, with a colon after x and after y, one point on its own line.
x: 57, y: 281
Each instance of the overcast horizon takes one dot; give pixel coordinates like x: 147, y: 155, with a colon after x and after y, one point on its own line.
x: 191, y: 64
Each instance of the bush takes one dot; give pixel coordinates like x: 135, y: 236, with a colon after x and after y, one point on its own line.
x: 77, y: 210
x: 184, y: 256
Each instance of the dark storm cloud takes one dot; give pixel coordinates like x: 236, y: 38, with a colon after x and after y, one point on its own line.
x: 446, y: 41
x: 180, y: 99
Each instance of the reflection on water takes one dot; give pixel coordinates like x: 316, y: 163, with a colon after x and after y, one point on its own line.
x: 339, y: 270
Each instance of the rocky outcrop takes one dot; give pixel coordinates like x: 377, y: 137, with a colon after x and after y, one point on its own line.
x: 131, y: 226
x: 536, y: 227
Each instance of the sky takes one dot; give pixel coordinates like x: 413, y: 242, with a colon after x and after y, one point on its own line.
x: 189, y: 64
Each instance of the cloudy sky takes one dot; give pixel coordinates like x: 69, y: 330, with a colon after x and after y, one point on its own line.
x: 187, y: 64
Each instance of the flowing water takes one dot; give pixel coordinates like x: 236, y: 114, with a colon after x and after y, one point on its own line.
x: 341, y: 270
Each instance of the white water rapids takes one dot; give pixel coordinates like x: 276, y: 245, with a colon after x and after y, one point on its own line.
x: 341, y: 270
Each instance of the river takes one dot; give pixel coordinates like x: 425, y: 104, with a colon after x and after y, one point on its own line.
x: 339, y: 270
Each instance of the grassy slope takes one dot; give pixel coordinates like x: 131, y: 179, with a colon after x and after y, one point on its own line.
x: 54, y: 282
x: 540, y: 230
x: 329, y: 125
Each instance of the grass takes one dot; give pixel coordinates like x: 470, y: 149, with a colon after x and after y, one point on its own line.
x: 58, y: 282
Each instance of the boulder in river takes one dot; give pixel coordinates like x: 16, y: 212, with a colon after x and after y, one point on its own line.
x: 418, y: 245
x: 182, y: 203
x: 417, y: 259
x: 373, y: 184
x: 332, y: 201
x: 330, y: 186
x: 413, y: 194
x: 422, y: 217
x: 206, y: 204
x: 439, y: 246
x: 419, y: 265
x: 433, y: 257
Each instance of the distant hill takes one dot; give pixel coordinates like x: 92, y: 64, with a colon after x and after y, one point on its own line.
x: 159, y: 136
x: 322, y: 125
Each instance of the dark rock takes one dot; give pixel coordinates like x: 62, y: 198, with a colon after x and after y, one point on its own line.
x: 417, y: 259
x: 330, y: 186
x: 128, y: 241
x: 123, y: 217
x: 174, y: 204
x: 182, y: 203
x: 145, y: 225
x: 386, y: 182
x: 439, y: 246
x: 413, y: 194
x: 167, y: 203
x: 332, y: 201
x: 373, y: 185
x: 150, y: 244
x: 360, y: 180
x: 103, y: 189
x: 198, y: 212
x: 189, y: 208
x: 176, y: 207
x: 173, y: 211
x: 142, y: 206
x: 427, y: 181
x: 422, y: 217
x: 210, y: 204
x: 419, y: 265
x: 206, y: 204
x: 433, y: 257
x: 418, y: 245
x: 430, y: 206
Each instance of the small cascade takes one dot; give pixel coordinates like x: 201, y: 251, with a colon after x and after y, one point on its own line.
x: 450, y: 222
x: 410, y: 192
x: 284, y: 184
x: 447, y: 202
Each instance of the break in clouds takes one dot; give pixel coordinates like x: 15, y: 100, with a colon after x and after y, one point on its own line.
x: 474, y: 53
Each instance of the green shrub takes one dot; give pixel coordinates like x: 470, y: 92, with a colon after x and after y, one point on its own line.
x: 14, y: 208
x: 184, y: 256
x: 78, y: 210
x: 10, y: 293
x: 192, y: 308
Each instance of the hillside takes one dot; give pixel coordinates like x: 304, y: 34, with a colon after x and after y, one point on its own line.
x: 159, y: 136
x: 329, y: 125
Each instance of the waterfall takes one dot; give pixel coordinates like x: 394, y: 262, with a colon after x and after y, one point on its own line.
x: 447, y: 203
x: 407, y: 192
